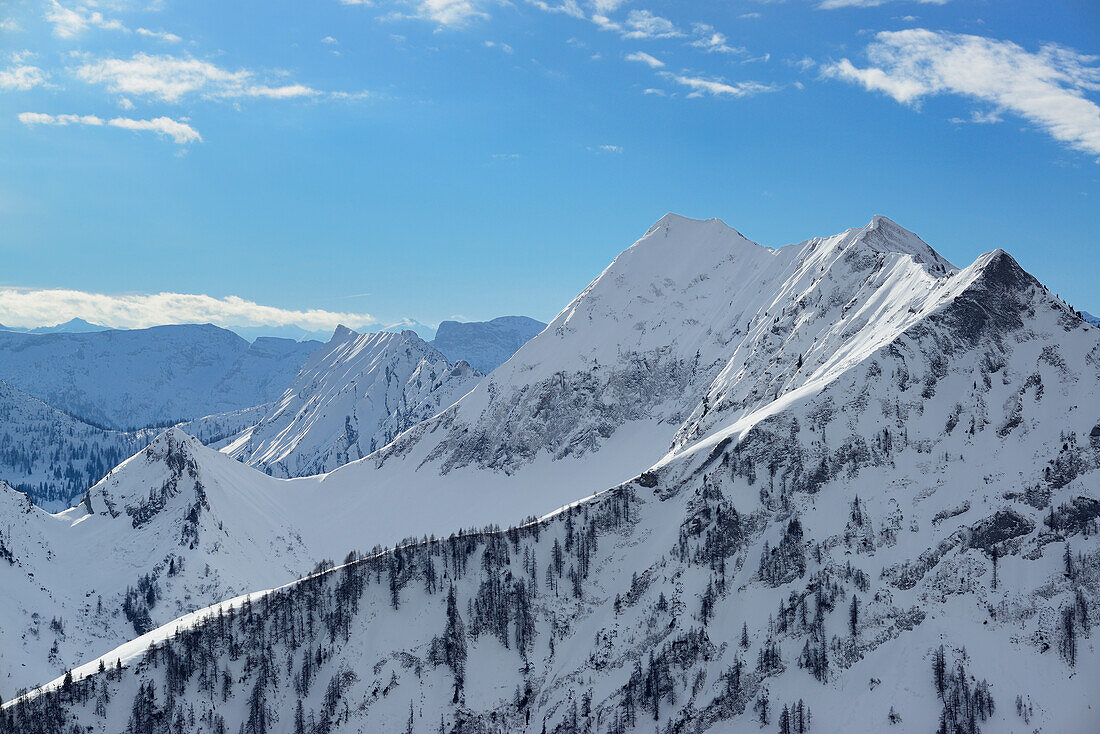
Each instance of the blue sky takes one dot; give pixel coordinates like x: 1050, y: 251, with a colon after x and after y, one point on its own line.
x: 305, y: 162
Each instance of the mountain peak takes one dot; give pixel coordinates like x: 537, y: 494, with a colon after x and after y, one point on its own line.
x: 998, y: 274
x: 883, y: 235
x: 342, y: 334
x: 682, y: 225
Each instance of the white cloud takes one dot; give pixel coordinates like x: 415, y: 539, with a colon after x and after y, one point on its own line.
x: 644, y: 24
x: 330, y: 40
x: 605, y: 7
x: 125, y: 103
x: 451, y: 12
x: 287, y: 91
x: 701, y: 86
x: 68, y: 23
x: 352, y: 96
x: 41, y: 118
x: 568, y: 7
x: 26, y: 307
x: 159, y: 35
x: 1045, y: 88
x: 180, y: 132
x: 502, y: 46
x: 656, y: 92
x: 639, y: 24
x: 171, y: 78
x: 645, y: 58
x: 713, y: 41
x: 977, y: 117
x: 166, y: 77
x: 835, y: 4
x: 446, y: 13
x: 605, y: 149
x: 10, y: 25
x: 21, y: 77
x: 804, y: 64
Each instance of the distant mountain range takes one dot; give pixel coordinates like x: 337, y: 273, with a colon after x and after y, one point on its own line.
x: 72, y: 326
x: 485, y: 345
x: 125, y: 379
x: 67, y: 415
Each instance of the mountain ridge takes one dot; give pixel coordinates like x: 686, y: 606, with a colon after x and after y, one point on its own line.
x: 861, y: 429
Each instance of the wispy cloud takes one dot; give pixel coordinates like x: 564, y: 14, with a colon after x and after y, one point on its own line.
x: 445, y: 13
x: 68, y: 23
x: 170, y: 78
x: 605, y: 149
x: 644, y: 24
x: 159, y: 35
x: 837, y: 4
x: 451, y: 12
x: 978, y: 117
x: 639, y: 25
x: 41, y: 118
x: 567, y: 7
x: 712, y: 41
x: 26, y: 307
x: 179, y: 132
x: 1045, y: 88
x: 644, y: 58
x: 502, y: 46
x: 20, y: 76
x: 717, y: 87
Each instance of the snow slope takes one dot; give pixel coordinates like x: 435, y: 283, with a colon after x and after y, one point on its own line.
x: 485, y: 345
x: 350, y: 398
x: 142, y: 377
x: 848, y: 417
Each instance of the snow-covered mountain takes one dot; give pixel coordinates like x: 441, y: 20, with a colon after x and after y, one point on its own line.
x: 143, y: 377
x: 1094, y: 320
x: 485, y: 345
x: 352, y: 397
x: 74, y: 325
x: 822, y: 460
x: 53, y: 456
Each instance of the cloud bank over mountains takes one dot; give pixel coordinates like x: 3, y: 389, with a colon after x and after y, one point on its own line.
x: 23, y: 307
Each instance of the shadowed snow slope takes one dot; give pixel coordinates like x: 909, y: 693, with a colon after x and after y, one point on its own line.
x: 53, y: 456
x: 783, y: 431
